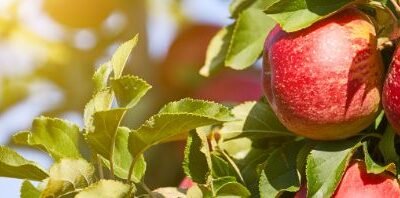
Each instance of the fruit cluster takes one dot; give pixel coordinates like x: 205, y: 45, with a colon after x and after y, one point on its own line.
x: 327, y: 82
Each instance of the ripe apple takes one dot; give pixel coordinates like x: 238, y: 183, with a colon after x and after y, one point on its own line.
x: 391, y: 93
x: 179, y: 71
x: 231, y: 87
x: 356, y: 182
x: 79, y: 13
x: 324, y: 82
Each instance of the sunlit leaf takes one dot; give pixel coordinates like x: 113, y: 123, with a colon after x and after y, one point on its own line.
x: 15, y: 166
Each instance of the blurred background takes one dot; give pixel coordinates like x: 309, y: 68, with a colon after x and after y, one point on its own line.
x: 49, y: 50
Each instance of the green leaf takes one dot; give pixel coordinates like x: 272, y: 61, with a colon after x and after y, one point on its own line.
x: 121, y: 56
x: 326, y: 165
x: 228, y: 187
x: 372, y: 166
x: 129, y: 90
x: 254, y: 120
x: 216, y: 51
x: 238, y: 6
x: 106, y: 123
x: 247, y: 42
x: 15, y: 166
x: 29, y: 191
x: 57, y: 137
x: 105, y: 189
x: 174, y: 119
x: 220, y: 167
x: 101, y: 101
x: 293, y: 15
x: 122, y: 158
x: 387, y: 146
x: 100, y: 77
x: 197, y: 160
x: 251, y: 167
x: 68, y: 176
x: 280, y: 173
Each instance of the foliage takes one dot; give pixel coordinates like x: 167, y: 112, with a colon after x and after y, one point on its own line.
x: 242, y: 151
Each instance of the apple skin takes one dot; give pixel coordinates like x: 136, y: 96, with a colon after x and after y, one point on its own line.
x: 357, y: 183
x: 391, y: 92
x: 324, y: 82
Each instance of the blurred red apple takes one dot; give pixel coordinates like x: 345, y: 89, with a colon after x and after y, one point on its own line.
x: 231, y: 87
x: 180, y: 69
x: 324, y: 82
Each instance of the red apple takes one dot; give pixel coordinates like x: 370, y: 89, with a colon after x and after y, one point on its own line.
x: 391, y: 93
x: 324, y: 82
x: 231, y: 87
x: 179, y: 71
x: 357, y: 183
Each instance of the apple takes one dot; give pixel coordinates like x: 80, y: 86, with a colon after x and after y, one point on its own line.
x: 391, y: 93
x: 356, y: 182
x: 324, y: 82
x: 231, y: 87
x: 179, y: 71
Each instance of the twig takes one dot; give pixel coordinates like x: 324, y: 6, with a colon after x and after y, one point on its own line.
x: 100, y: 167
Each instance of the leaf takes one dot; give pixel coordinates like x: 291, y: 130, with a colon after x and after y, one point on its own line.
x: 250, y: 167
x: 220, y: 167
x: 247, y: 42
x: 176, y: 118
x: 105, y: 189
x: 372, y: 166
x: 253, y: 120
x: 387, y: 146
x: 68, y: 176
x: 122, y: 158
x: 238, y: 6
x: 15, y: 166
x: 129, y: 90
x: 227, y: 186
x: 326, y: 165
x: 293, y: 15
x: 101, y: 101
x: 216, y: 51
x: 28, y: 190
x: 280, y: 173
x: 57, y: 137
x: 121, y: 56
x: 100, y: 77
x: 197, y: 160
x: 106, y: 123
